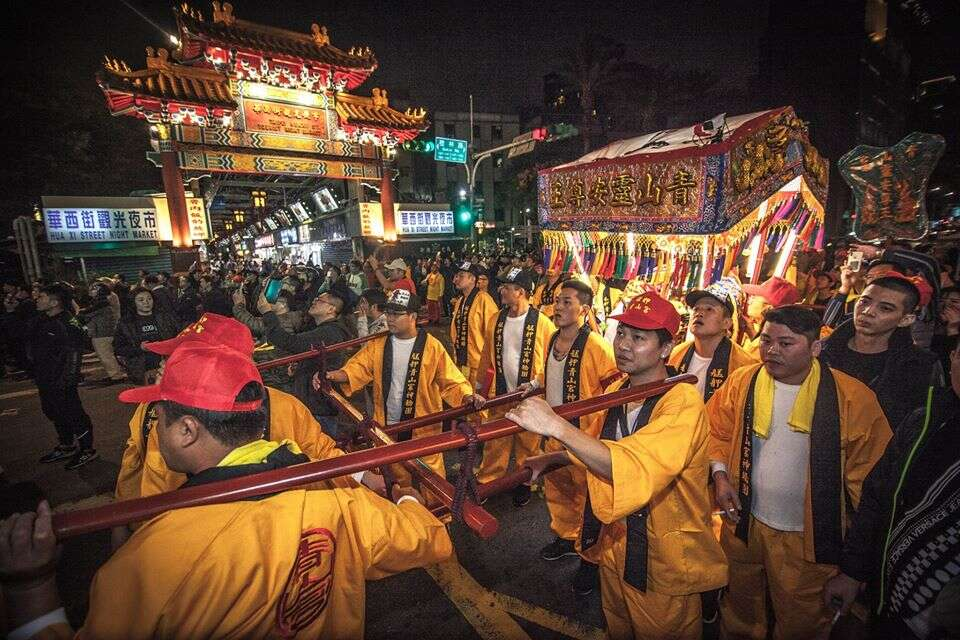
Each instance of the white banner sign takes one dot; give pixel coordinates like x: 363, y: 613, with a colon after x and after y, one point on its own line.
x: 80, y: 219
x: 420, y: 222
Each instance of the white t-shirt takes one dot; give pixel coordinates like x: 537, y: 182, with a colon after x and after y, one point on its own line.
x: 779, y: 478
x: 512, y: 345
x: 633, y: 410
x: 401, y: 350
x: 554, y: 376
x: 700, y: 367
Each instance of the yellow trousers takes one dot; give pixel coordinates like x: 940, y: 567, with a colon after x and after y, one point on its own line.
x: 496, y: 453
x: 565, y: 491
x: 773, y: 562
x: 633, y: 614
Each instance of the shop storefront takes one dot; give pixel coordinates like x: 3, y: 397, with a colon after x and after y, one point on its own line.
x: 105, y: 235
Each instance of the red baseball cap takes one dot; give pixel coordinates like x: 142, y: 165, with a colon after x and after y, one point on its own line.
x: 650, y: 312
x: 924, y: 290
x: 211, y: 328
x: 202, y: 376
x: 775, y: 291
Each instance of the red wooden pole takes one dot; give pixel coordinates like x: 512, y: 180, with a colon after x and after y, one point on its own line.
x: 457, y: 412
x: 337, y: 346
x: 74, y: 523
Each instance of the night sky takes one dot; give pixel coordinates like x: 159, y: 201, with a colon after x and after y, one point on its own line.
x: 431, y: 54
x: 437, y: 52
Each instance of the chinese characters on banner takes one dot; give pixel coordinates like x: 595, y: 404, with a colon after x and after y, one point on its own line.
x: 420, y: 222
x: 664, y: 192
x: 274, y: 117
x: 371, y: 220
x: 102, y: 225
x: 86, y: 219
x: 890, y: 185
x: 197, y: 215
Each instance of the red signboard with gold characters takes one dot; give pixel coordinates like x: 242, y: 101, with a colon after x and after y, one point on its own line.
x: 671, y: 182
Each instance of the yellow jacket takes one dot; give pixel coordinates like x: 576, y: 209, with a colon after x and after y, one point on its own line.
x: 481, y: 311
x: 536, y: 300
x: 738, y: 357
x: 597, y: 369
x: 864, y: 433
x: 488, y: 359
x: 440, y: 379
x: 143, y: 471
x: 435, y: 284
x: 664, y: 466
x: 241, y: 569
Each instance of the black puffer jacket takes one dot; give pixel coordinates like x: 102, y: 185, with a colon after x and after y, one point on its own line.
x: 56, y: 350
x: 329, y: 332
x: 907, y: 373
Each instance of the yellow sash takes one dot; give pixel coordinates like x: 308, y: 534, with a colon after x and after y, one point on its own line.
x: 801, y: 416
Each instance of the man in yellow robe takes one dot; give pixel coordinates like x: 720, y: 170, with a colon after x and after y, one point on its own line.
x: 292, y: 563
x: 545, y: 294
x: 791, y: 443
x: 472, y: 312
x: 578, y: 364
x: 711, y: 356
x: 143, y: 471
x: 412, y: 376
x: 515, y: 346
x: 648, y: 515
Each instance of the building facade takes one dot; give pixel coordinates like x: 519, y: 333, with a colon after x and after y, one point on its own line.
x: 422, y: 179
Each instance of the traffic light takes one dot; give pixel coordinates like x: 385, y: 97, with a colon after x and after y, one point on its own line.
x: 419, y: 146
x: 540, y: 134
x: 561, y: 131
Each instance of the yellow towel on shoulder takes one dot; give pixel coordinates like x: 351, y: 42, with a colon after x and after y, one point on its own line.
x: 255, y: 452
x: 801, y: 416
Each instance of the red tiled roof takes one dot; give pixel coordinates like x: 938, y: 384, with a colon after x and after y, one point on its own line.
x: 225, y: 29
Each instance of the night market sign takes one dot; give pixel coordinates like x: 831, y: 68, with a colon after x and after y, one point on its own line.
x: 79, y: 219
x: 697, y: 190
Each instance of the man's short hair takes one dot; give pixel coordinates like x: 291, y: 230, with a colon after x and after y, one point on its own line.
x: 910, y: 293
x: 797, y: 318
x: 664, y: 336
x: 230, y: 428
x: 62, y: 292
x: 584, y: 292
x: 375, y: 297
x: 894, y: 266
x: 152, y: 279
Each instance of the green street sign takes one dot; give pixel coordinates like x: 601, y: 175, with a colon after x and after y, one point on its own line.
x: 450, y: 150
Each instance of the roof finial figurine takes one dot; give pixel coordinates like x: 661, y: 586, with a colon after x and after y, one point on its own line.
x: 224, y: 14
x: 379, y: 97
x: 320, y: 36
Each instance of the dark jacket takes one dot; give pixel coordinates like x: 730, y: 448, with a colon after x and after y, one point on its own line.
x: 908, y: 371
x: 126, y: 342
x: 56, y: 350
x: 865, y: 540
x: 327, y: 333
x: 187, y: 306
x: 163, y: 299
x: 98, y: 319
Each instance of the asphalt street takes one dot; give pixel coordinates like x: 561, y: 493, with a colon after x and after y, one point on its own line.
x: 497, y: 588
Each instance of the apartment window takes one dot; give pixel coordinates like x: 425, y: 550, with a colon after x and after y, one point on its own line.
x: 449, y: 130
x: 496, y: 131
